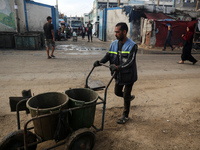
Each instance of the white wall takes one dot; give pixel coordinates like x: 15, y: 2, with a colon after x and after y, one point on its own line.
x: 37, y: 16
x: 113, y: 17
x: 8, y: 21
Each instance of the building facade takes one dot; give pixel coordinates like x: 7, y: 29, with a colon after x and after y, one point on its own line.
x: 99, y: 5
x: 85, y: 19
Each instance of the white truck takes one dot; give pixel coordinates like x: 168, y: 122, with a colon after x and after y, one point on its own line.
x: 76, y: 25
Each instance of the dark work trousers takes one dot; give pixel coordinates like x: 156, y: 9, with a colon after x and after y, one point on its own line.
x: 168, y: 41
x: 126, y: 94
x: 89, y: 35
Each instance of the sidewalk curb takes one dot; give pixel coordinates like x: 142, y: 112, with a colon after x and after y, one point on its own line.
x: 153, y: 51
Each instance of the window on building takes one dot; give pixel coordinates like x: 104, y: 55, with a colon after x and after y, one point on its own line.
x: 188, y: 1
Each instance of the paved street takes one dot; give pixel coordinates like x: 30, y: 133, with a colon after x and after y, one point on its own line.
x: 164, y: 91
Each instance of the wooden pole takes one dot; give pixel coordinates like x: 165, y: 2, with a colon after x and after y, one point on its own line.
x: 197, y: 5
x: 157, y: 2
x: 118, y: 3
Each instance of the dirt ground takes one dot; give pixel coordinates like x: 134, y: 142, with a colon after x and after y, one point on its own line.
x: 164, y: 115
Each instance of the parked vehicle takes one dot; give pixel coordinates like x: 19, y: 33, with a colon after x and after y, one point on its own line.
x: 76, y: 26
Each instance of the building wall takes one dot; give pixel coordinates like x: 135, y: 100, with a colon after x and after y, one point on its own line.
x: 114, y: 16
x: 37, y: 16
x: 7, y: 16
x: 86, y: 19
x: 8, y: 22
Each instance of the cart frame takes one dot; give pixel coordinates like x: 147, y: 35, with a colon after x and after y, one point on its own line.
x: 103, y: 101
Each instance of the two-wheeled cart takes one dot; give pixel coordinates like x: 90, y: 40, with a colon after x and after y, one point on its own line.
x: 66, y: 118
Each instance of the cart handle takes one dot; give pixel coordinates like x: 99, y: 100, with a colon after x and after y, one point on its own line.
x: 86, y: 82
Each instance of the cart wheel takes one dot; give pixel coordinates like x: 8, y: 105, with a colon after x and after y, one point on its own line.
x: 16, y: 139
x: 82, y: 139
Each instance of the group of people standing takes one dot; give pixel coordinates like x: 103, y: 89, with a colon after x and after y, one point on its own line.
x: 87, y: 30
x: 187, y: 45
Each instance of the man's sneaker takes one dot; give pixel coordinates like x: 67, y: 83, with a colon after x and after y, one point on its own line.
x: 132, y: 97
x: 52, y: 56
x: 122, y: 120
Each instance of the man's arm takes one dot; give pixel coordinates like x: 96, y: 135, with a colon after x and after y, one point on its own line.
x: 52, y: 32
x: 105, y: 59
x: 52, y: 35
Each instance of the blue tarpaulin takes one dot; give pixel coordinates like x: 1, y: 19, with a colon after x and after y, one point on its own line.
x: 133, y: 14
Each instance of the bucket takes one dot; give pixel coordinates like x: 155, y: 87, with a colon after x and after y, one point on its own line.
x: 84, y: 117
x: 46, y: 103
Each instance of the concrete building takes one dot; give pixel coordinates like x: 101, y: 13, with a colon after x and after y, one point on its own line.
x: 188, y: 7
x: 73, y: 19
x: 26, y: 17
x: 99, y: 5
x: 85, y: 19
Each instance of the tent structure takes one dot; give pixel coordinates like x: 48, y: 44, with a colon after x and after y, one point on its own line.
x: 154, y: 29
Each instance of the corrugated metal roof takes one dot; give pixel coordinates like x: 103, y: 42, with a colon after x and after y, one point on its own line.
x: 157, y: 16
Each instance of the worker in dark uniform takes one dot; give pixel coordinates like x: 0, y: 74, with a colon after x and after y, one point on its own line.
x: 122, y: 58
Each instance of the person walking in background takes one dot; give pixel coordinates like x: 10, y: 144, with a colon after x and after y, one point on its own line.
x: 58, y: 36
x: 83, y: 32
x: 89, y: 31
x: 49, y: 36
x: 168, y: 39
x: 187, y: 48
x: 122, y: 58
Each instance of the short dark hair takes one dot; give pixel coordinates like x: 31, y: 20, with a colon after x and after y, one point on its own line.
x: 123, y: 26
x: 48, y: 18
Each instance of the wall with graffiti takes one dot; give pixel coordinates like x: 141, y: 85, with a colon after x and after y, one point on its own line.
x: 7, y: 16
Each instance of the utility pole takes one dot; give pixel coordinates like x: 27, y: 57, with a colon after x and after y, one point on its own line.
x: 17, y: 17
x: 197, y: 6
x: 57, y: 4
x: 118, y: 3
x: 107, y: 3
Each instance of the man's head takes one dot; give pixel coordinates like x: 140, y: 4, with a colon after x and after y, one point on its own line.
x: 121, y: 30
x: 169, y: 27
x: 49, y: 19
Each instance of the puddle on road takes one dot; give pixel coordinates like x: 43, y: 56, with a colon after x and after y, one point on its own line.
x: 78, y: 48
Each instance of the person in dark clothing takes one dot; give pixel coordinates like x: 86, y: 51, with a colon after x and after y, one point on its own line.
x: 58, y: 37
x: 83, y: 30
x: 122, y: 58
x: 89, y: 31
x: 186, y: 51
x: 49, y: 36
x: 168, y: 39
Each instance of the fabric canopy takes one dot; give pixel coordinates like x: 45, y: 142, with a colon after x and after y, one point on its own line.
x: 178, y: 28
x: 157, y: 16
